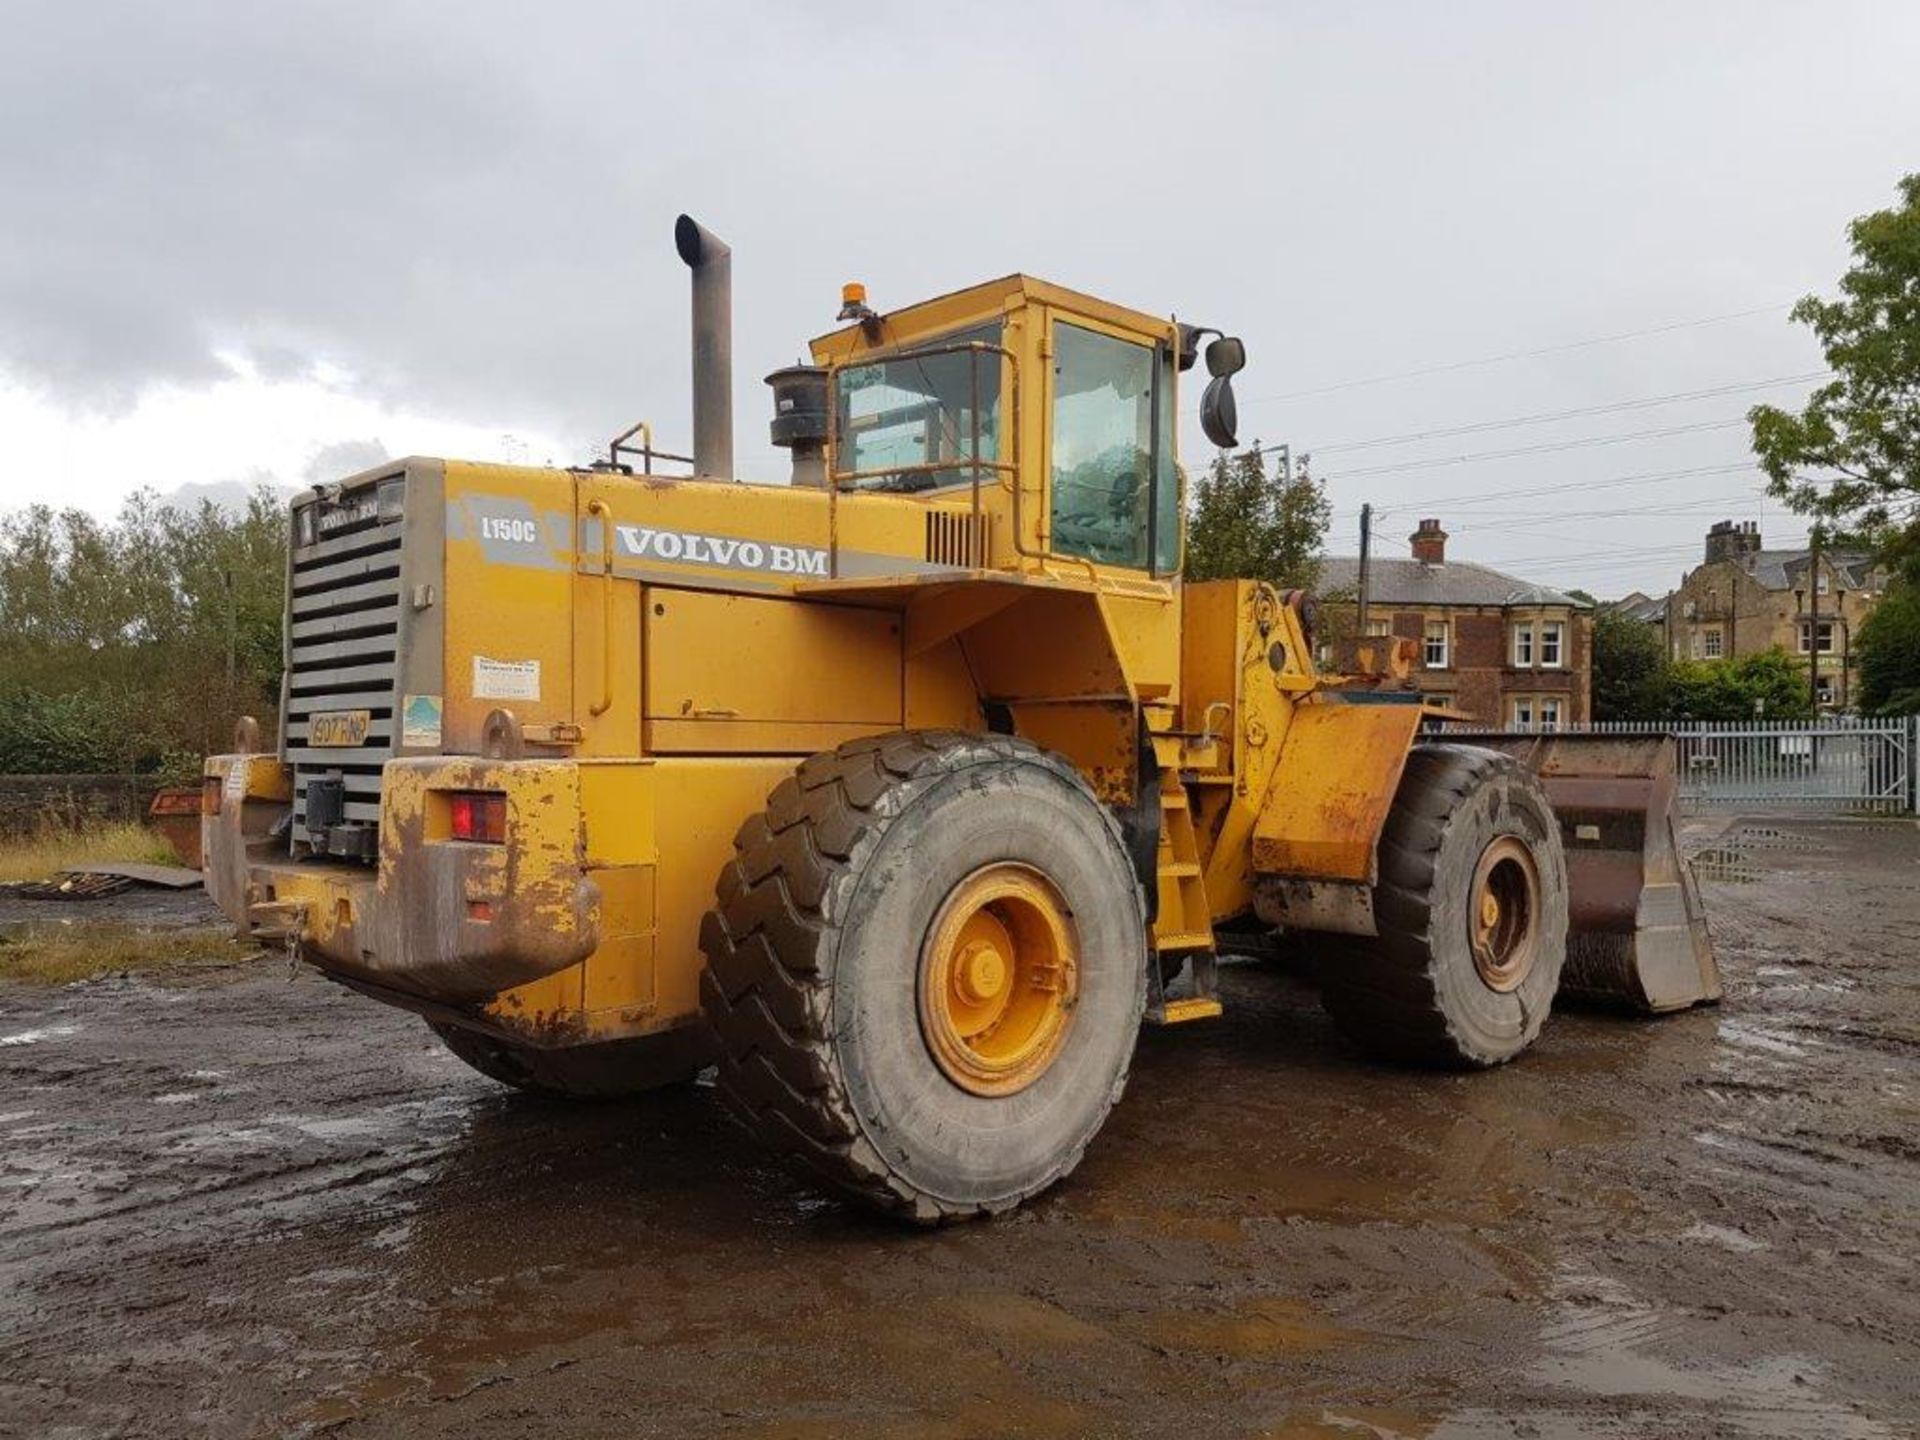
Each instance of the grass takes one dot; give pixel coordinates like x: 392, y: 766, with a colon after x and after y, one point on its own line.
x: 61, y: 954
x: 62, y: 951
x: 42, y: 856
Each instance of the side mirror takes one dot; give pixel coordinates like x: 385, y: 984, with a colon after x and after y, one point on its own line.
x: 1219, y: 416
x: 1226, y: 356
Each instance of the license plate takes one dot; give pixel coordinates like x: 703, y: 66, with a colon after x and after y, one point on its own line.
x: 339, y: 727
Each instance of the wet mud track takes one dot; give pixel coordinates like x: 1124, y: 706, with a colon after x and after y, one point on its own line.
x: 234, y: 1206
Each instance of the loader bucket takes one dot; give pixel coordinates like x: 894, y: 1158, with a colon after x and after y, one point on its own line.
x: 1636, y: 934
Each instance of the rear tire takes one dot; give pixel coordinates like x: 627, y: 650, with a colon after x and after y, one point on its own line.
x: 842, y: 920
x: 606, y: 1070
x: 1451, y: 979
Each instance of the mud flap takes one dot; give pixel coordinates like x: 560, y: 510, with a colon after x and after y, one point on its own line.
x: 1637, y: 934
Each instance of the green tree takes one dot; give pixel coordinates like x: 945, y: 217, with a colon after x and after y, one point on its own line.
x: 1889, y: 649
x: 1248, y: 525
x: 1851, y: 455
x: 1771, y: 685
x: 126, y: 645
x: 1629, y: 669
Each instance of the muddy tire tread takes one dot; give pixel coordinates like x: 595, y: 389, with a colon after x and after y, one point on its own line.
x: 1383, y: 992
x: 770, y: 943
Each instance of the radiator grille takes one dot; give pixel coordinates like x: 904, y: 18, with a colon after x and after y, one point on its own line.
x: 343, y: 626
x: 956, y: 537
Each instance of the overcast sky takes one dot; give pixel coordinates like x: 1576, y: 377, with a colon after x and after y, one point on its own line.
x: 248, y: 240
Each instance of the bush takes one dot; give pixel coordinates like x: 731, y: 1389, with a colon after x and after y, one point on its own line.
x: 1889, y: 646
x: 1630, y: 679
x: 1771, y: 686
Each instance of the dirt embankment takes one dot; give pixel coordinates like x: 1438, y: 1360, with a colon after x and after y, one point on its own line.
x: 234, y: 1206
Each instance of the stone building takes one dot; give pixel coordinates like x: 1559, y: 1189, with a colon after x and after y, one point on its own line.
x: 1504, y: 650
x: 1745, y: 600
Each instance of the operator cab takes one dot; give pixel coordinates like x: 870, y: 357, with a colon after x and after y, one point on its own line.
x: 1050, y: 412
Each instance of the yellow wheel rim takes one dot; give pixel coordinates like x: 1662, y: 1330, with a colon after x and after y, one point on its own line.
x: 1503, y: 917
x: 999, y: 975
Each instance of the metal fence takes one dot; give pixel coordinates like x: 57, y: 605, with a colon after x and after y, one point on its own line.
x: 1837, y: 764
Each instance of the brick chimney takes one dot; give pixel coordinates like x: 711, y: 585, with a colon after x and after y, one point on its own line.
x: 1429, y: 543
x: 1732, y: 540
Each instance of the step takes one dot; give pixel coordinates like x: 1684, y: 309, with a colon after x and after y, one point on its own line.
x: 1184, y: 940
x: 1180, y: 868
x: 1173, y: 799
x: 1179, y: 1012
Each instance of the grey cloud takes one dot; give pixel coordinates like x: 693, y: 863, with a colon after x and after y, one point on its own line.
x: 467, y: 208
x: 343, y: 457
x: 230, y: 495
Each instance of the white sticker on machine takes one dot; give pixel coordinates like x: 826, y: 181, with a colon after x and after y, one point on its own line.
x: 505, y: 679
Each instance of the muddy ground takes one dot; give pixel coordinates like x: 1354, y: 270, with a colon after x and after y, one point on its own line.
x: 232, y: 1205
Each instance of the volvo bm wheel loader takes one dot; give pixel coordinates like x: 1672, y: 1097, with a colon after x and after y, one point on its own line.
x: 904, y: 793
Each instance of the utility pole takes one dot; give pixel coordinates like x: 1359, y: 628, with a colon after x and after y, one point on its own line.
x: 1813, y: 620
x: 1366, y: 551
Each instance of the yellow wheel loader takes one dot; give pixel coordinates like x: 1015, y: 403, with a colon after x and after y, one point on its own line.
x: 902, y: 793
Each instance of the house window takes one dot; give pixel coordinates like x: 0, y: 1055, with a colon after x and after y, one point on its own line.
x: 1549, y: 712
x: 1437, y: 698
x: 1521, y: 712
x: 1807, y: 628
x: 1434, y: 654
x: 1823, y: 689
x: 1523, y: 646
x: 1552, y: 637
x: 1378, y: 627
x: 1820, y: 583
x: 1708, y: 643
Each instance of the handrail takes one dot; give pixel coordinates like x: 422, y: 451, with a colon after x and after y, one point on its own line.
x: 618, y: 446
x: 597, y: 506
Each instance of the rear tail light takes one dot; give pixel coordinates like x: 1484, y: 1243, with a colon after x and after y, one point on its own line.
x: 479, y: 815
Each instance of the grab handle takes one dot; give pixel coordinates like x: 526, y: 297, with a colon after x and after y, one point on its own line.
x: 597, y: 506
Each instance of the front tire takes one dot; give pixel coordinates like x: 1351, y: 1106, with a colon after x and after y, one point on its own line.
x: 926, y: 971
x: 1471, y: 908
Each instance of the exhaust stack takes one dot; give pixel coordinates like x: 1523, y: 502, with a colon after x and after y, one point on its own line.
x: 712, y: 265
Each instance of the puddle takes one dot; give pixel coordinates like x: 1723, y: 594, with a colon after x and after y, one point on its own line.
x: 1783, y: 1041
x: 1739, y: 856
x: 1721, y: 1235
x: 34, y: 1037
x: 1263, y: 1328
x: 1600, y: 1340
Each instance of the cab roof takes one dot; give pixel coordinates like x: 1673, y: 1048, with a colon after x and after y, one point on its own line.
x: 978, y: 303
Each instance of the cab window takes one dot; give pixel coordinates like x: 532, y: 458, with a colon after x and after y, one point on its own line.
x: 907, y: 422
x: 1113, y: 473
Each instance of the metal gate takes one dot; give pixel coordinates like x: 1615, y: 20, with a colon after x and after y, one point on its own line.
x: 1836, y: 765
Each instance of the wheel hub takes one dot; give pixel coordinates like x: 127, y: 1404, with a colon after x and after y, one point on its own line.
x: 1504, y: 912
x: 999, y: 975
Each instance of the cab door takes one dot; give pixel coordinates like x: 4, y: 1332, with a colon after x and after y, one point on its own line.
x: 1113, y: 502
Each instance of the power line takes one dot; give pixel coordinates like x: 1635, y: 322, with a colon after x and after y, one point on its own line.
x: 1609, y: 552
x: 1551, y: 448
x: 1451, y: 366
x: 1514, y: 519
x: 1618, y: 482
x: 1548, y: 417
x: 1636, y: 549
x: 1501, y: 497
